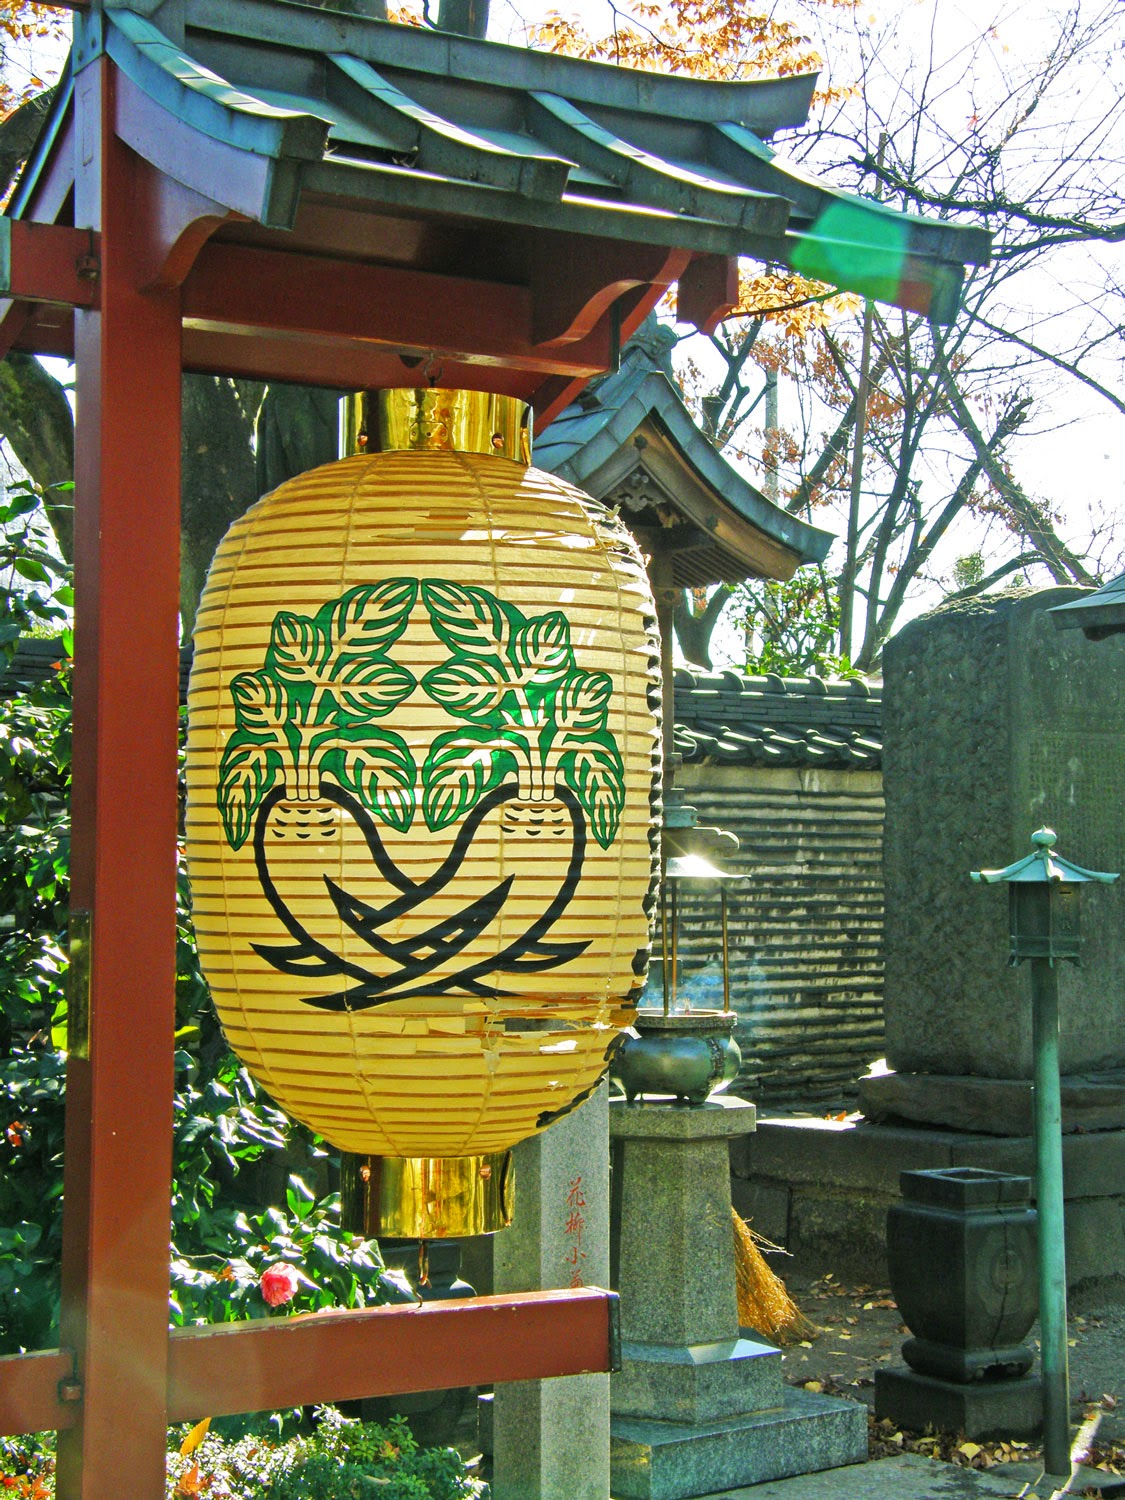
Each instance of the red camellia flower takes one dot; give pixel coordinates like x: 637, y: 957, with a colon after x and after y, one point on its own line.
x: 279, y: 1284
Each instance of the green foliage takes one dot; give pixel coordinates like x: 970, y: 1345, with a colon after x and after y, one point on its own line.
x: 35, y: 599
x: 220, y: 1281
x: 32, y: 1090
x: 34, y: 853
x: 35, y: 592
x: 223, y: 1124
x: 27, y: 1466
x: 337, y: 1459
x: 791, y: 628
x: 968, y: 571
x: 345, y: 1458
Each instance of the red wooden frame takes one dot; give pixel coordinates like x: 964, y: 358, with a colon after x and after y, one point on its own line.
x: 336, y: 1356
x: 132, y: 272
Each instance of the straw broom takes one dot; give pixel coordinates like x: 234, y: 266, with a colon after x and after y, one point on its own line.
x: 763, y: 1302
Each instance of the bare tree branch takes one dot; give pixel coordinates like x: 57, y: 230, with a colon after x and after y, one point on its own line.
x: 1034, y: 524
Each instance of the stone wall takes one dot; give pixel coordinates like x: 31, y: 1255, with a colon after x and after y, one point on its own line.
x: 805, y: 929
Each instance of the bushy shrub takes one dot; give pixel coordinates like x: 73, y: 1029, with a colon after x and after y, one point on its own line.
x: 334, y: 1459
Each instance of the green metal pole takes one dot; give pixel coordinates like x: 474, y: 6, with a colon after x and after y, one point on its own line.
x: 1049, y: 1196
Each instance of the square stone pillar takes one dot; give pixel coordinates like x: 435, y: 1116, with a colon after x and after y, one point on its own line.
x: 683, y: 1357
x: 699, y: 1405
x: 551, y: 1437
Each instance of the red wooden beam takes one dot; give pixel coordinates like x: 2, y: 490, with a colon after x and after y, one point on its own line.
x: 252, y: 292
x: 556, y: 393
x: 118, y: 1166
x: 708, y: 292
x: 341, y: 1356
x: 48, y: 263
x: 346, y: 365
x: 33, y: 1388
x: 273, y: 1364
x: 574, y: 283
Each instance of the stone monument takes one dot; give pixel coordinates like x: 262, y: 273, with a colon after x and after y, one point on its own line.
x: 997, y: 724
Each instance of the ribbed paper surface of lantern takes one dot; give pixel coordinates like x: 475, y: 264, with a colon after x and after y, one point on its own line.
x: 421, y: 751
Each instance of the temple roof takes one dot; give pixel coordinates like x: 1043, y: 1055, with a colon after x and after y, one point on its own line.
x: 1100, y: 613
x: 631, y: 441
x: 342, y: 136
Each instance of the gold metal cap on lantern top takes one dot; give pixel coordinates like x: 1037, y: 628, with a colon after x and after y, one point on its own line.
x: 427, y: 1198
x: 437, y: 421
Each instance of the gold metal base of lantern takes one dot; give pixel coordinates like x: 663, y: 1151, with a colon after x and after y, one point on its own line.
x: 429, y: 1198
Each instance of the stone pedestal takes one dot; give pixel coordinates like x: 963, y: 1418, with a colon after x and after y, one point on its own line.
x: 961, y: 1254
x: 986, y: 1410
x: 699, y: 1404
x: 550, y: 1438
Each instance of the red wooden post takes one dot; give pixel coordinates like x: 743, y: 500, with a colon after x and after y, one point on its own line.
x: 119, y: 1085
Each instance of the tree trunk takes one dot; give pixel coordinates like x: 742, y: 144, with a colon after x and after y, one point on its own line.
x: 219, y: 480
x: 36, y: 419
x: 693, y: 631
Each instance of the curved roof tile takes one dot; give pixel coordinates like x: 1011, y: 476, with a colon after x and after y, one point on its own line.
x: 733, y: 719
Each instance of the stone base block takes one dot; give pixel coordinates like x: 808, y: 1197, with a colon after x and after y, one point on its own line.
x: 671, y: 1461
x: 984, y: 1409
x: 696, y: 1383
x: 992, y: 1106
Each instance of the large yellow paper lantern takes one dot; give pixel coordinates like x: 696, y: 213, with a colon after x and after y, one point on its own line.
x: 421, y: 753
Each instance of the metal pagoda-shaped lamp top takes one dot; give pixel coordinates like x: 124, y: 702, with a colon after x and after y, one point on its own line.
x: 1044, y: 900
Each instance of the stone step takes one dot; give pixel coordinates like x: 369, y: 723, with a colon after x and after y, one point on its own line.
x: 697, y: 1382
x: 671, y: 1461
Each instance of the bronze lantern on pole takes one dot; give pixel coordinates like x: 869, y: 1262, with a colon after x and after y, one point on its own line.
x: 1044, y: 892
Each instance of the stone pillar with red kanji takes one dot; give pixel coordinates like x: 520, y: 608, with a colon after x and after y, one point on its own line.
x: 551, y: 1437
